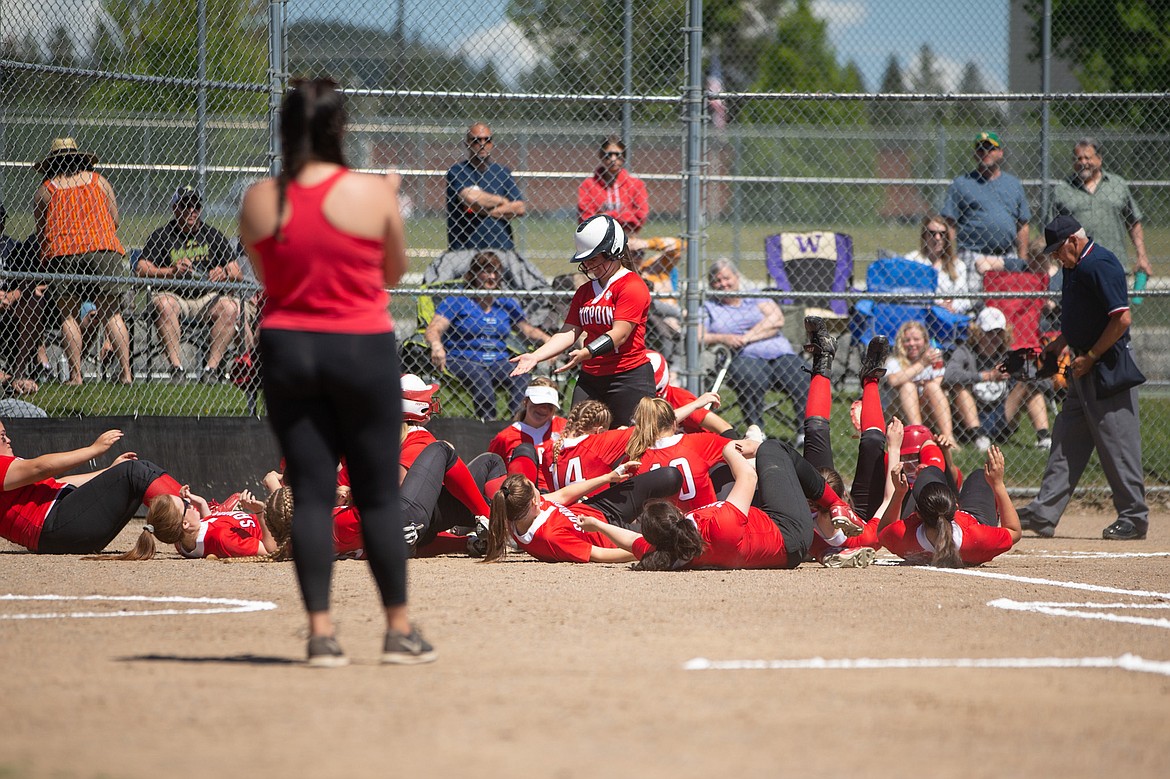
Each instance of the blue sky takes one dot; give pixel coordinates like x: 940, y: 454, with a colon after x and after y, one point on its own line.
x: 866, y: 31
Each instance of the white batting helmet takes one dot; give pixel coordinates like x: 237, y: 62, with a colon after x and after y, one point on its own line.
x: 599, y: 234
x: 419, y: 401
x: 661, y: 371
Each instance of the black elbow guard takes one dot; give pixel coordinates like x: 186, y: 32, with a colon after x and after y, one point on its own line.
x: 600, y: 345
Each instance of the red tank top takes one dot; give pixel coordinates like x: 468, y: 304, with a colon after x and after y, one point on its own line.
x: 318, y: 278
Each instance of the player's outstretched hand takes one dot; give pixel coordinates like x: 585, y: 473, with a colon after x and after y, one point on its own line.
x: 994, y: 468
x: 124, y: 457
x: 710, y: 400
x: 895, y: 432
x: 626, y: 470
x: 524, y: 364
x: 108, y: 439
x: 901, y: 483
x: 576, y: 357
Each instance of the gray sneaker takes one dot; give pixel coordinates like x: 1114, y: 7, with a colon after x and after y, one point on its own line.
x: 407, y: 649
x: 325, y: 652
x: 860, y: 557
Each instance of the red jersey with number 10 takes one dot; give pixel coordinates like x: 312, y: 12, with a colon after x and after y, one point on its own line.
x: 694, y: 454
x: 594, y: 309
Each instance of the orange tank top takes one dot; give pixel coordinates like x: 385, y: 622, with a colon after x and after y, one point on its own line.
x: 78, y: 221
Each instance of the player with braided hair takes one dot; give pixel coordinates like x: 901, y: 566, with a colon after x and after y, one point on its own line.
x: 585, y: 449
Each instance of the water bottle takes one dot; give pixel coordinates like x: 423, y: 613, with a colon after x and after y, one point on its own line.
x: 63, y: 368
x: 1140, y: 279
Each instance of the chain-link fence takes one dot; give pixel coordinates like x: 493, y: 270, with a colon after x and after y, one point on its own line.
x: 806, y: 142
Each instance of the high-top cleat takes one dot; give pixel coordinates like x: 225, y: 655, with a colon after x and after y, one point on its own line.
x: 873, y: 364
x: 821, y: 346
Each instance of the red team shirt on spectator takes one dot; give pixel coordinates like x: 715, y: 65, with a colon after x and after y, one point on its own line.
x: 23, y: 510
x: 554, y: 537
x: 582, y: 457
x: 977, y: 543
x: 506, y: 441
x: 226, y: 534
x: 594, y: 309
x: 694, y: 455
x: 732, y: 540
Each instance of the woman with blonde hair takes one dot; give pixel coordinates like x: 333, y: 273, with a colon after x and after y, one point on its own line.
x: 916, y: 370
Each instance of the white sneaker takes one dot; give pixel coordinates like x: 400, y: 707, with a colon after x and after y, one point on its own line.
x: 983, y: 443
x: 860, y: 557
x: 1044, y: 443
x: 754, y: 433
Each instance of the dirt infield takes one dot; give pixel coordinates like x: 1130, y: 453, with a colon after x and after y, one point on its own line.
x: 581, y: 671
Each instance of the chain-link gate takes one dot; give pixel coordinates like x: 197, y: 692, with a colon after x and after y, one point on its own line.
x: 810, y: 172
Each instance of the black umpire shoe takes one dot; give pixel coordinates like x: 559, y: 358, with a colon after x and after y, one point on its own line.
x: 1123, y: 530
x: 873, y: 364
x: 1029, y: 521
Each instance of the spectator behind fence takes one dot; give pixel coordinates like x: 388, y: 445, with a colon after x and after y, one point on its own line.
x: 987, y: 398
x: 936, y: 248
x: 187, y: 248
x: 990, y: 212
x: 482, y: 200
x: 762, y: 358
x: 611, y: 190
x: 1102, y: 203
x: 10, y: 325
x: 468, y: 338
x: 76, y: 216
x: 1100, y: 410
x: 916, y: 371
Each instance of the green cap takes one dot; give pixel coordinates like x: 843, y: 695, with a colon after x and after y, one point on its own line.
x: 986, y: 137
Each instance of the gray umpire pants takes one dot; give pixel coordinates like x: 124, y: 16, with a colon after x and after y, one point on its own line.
x: 1109, y: 425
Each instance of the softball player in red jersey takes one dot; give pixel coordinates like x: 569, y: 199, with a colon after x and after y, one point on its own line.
x: 731, y: 533
x: 225, y: 534
x: 611, y: 311
x: 548, y: 526
x: 938, y: 532
x: 585, y: 448
x: 698, y: 418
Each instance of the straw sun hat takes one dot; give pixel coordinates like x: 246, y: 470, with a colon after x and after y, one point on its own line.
x: 64, y: 147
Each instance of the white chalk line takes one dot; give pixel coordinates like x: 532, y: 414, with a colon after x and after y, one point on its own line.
x: 1127, y: 662
x: 214, y: 606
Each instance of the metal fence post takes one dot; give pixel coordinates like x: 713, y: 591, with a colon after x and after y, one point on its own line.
x: 693, y: 121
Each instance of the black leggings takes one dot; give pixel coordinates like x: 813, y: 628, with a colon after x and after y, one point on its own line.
x: 620, y: 391
x: 331, y: 395
x: 622, y: 503
x: 451, y: 511
x: 778, y: 493
x: 976, y: 498
x: 869, y: 480
x: 86, y: 519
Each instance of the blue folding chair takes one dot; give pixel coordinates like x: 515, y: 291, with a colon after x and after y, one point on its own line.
x: 898, y: 275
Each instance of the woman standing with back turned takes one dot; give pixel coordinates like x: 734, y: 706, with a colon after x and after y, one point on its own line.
x: 326, y: 243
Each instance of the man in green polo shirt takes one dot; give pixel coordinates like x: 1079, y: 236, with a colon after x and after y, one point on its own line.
x: 1102, y: 203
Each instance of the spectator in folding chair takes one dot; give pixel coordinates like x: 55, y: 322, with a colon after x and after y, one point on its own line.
x: 936, y: 248
x: 987, y: 398
x: 188, y: 248
x: 916, y: 371
x: 762, y: 357
x: 76, y: 215
x: 467, y: 336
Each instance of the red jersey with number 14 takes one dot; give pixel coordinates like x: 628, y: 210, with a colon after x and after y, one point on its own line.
x: 732, y: 540
x: 581, y: 457
x: 594, y: 309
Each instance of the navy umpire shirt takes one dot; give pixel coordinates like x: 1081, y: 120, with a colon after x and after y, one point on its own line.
x: 1089, y: 293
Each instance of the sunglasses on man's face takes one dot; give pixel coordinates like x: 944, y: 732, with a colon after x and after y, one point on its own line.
x: 612, y: 154
x: 479, y: 141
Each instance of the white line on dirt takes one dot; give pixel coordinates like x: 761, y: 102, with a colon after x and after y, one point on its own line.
x: 213, y: 606
x: 1126, y: 662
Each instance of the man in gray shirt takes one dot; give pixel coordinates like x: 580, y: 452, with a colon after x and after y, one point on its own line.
x: 1102, y: 203
x: 989, y: 212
